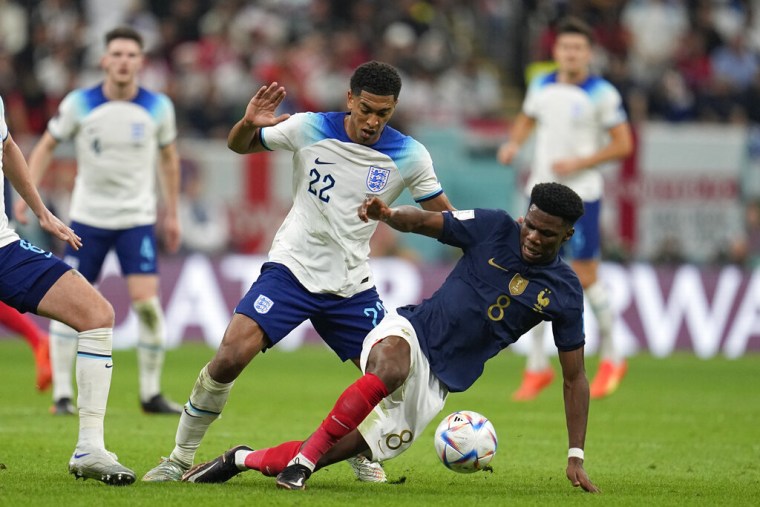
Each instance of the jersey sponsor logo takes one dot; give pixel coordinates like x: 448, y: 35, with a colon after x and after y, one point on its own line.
x: 542, y: 301
x: 377, y: 178
x: 465, y: 214
x: 263, y: 304
x: 320, y: 162
x: 492, y: 262
x: 518, y: 284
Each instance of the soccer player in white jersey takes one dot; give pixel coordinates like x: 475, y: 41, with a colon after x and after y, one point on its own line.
x: 580, y: 123
x: 318, y: 264
x: 32, y: 280
x: 121, y: 131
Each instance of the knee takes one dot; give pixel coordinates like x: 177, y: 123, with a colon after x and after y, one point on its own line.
x: 239, y: 346
x: 390, y: 360
x: 101, y: 314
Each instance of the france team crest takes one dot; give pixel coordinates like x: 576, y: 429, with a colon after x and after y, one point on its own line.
x: 263, y: 304
x: 377, y: 178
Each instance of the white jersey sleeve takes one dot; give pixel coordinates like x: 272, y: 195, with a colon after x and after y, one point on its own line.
x: 322, y: 241
x: 64, y: 125
x: 7, y: 235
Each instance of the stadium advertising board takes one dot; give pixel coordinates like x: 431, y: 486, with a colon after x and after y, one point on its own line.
x: 707, y: 311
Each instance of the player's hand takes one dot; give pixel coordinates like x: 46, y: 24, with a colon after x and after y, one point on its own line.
x: 506, y: 153
x: 19, y: 211
x: 171, y: 233
x: 54, y: 226
x: 579, y: 477
x: 374, y: 208
x: 261, y: 108
x: 567, y: 167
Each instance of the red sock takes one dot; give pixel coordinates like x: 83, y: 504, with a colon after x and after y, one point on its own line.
x: 21, y: 324
x: 356, y: 402
x: 272, y: 461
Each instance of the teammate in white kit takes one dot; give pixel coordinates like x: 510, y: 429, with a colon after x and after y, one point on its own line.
x: 580, y: 123
x: 121, y: 131
x: 32, y: 280
x: 318, y: 264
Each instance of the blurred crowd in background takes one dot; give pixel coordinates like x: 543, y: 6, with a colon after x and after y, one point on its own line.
x: 679, y: 60
x: 461, y: 60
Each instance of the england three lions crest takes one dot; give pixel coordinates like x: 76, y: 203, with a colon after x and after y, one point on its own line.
x: 377, y: 178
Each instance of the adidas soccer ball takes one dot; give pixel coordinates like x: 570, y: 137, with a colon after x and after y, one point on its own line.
x: 465, y: 441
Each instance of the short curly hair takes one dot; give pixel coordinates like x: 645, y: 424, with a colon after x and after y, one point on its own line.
x: 376, y: 77
x: 558, y: 200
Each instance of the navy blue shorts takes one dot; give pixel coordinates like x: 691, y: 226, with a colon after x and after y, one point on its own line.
x: 26, y: 275
x: 585, y: 243
x: 135, y: 248
x: 279, y: 303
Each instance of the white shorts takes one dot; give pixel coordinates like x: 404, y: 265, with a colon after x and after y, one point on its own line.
x: 404, y: 414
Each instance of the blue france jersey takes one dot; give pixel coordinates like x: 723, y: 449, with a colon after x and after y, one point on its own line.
x: 322, y: 240
x: 491, y: 298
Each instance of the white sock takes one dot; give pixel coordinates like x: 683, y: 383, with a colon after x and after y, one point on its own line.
x: 537, y: 358
x: 63, y: 350
x: 94, y: 369
x: 204, y: 407
x: 598, y: 299
x: 150, y: 346
x: 300, y: 459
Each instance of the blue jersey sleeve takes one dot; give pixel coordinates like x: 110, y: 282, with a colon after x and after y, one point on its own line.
x: 465, y: 228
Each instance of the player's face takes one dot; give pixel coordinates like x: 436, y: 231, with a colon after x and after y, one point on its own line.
x: 122, y: 61
x: 542, y: 235
x: 369, y: 115
x: 572, y: 53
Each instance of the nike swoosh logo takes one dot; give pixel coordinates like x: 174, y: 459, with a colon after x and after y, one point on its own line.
x: 493, y: 263
x: 319, y: 162
x: 77, y: 456
x: 110, y: 365
x: 191, y: 415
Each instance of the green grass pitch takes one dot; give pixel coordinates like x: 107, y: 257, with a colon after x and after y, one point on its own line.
x: 680, y: 431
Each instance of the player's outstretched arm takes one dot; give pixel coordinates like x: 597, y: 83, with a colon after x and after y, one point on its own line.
x: 15, y: 168
x: 402, y: 218
x: 576, y: 414
x: 39, y: 161
x: 244, y: 136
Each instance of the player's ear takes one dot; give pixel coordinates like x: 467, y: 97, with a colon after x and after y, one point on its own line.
x: 568, y: 234
x: 349, y: 99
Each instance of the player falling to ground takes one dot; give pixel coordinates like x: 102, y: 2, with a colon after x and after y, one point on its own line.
x: 118, y: 128
x: 32, y: 280
x: 573, y: 112
x: 318, y: 265
x: 508, y: 280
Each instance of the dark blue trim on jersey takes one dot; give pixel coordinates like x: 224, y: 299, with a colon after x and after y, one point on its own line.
x: 431, y: 196
x: 263, y: 143
x: 94, y: 97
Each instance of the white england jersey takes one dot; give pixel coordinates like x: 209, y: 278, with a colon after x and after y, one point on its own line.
x: 7, y: 235
x: 117, y: 144
x: 571, y: 121
x: 322, y: 240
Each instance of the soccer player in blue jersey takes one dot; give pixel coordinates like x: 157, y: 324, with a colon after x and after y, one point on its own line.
x: 580, y: 123
x: 32, y: 280
x: 318, y: 265
x: 121, y: 133
x: 509, y: 279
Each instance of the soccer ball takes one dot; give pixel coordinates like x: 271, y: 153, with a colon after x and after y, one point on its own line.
x: 465, y: 441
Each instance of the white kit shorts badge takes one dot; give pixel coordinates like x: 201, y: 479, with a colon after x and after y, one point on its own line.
x: 263, y: 304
